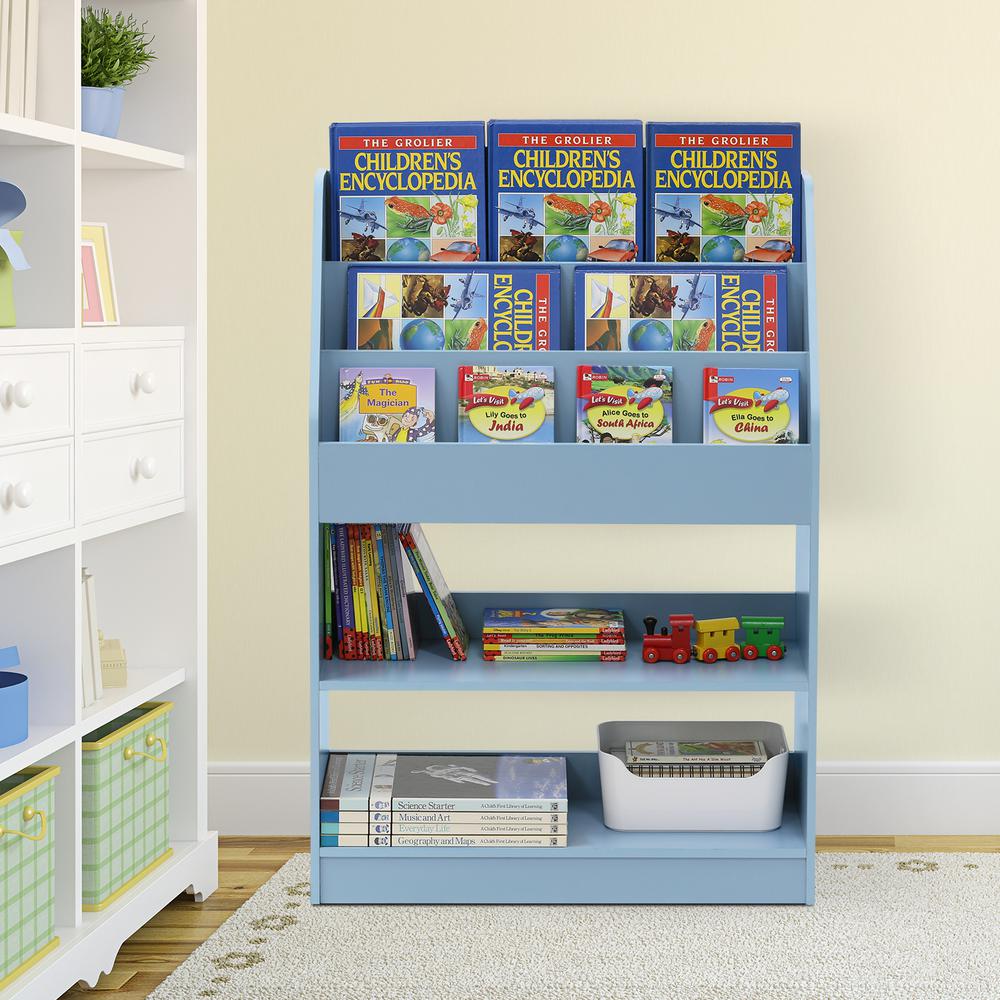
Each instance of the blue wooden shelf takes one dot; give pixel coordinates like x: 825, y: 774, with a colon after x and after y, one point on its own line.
x: 683, y: 483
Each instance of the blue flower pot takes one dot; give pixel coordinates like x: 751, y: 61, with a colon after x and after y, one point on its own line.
x: 13, y: 708
x: 101, y: 110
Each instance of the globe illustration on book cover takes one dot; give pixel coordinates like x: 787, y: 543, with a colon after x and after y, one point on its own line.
x: 566, y: 249
x: 409, y: 250
x: 723, y: 250
x: 650, y: 335
x: 422, y: 335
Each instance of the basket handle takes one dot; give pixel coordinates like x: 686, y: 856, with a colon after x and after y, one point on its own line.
x: 151, y: 742
x: 27, y: 816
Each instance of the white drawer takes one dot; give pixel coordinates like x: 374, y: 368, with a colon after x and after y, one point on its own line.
x: 36, y: 393
x: 36, y: 490
x: 125, y: 385
x: 121, y: 471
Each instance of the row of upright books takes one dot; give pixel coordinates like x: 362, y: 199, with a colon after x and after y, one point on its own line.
x: 439, y: 800
x: 615, y: 404
x: 564, y: 190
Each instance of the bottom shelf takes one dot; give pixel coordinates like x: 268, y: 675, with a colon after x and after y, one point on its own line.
x: 599, y: 865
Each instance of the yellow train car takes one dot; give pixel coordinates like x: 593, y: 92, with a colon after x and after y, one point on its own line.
x: 715, y: 637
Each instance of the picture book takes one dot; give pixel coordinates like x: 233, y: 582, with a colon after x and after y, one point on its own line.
x: 751, y: 406
x: 659, y: 308
x: 388, y: 405
x: 624, y: 405
x: 723, y: 192
x: 491, y: 307
x: 407, y: 192
x: 506, y: 403
x: 511, y: 621
x: 565, y: 191
x: 693, y: 751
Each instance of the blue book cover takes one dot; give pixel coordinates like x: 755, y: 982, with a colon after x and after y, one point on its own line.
x: 565, y: 191
x: 491, y: 307
x: 409, y: 191
x: 663, y: 308
x: 751, y: 406
x: 506, y: 403
x: 9, y: 657
x: 723, y: 192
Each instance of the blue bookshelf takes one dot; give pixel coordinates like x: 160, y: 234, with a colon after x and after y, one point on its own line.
x: 690, y: 480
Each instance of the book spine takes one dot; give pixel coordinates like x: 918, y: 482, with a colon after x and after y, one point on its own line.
x: 383, y: 578
x: 391, y: 541
x: 359, y: 772
x: 380, y: 799
x: 438, y: 605
x: 397, y: 553
x: 338, y: 619
x: 476, y: 840
x: 339, y: 827
x: 371, y: 593
x: 348, y: 649
x: 478, y: 805
x: 694, y: 770
x: 526, y: 636
x: 364, y: 648
x: 336, y: 765
x: 526, y: 821
x: 327, y: 596
x: 348, y: 840
x: 554, y: 657
x: 477, y: 829
x: 436, y: 578
x: 425, y: 587
x: 553, y: 647
x: 353, y: 816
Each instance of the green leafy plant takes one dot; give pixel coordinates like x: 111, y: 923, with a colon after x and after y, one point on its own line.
x: 114, y: 48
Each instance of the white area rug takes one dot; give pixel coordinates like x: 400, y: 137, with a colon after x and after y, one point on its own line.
x: 884, y: 927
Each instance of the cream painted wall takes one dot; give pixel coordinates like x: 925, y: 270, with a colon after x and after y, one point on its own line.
x: 897, y: 104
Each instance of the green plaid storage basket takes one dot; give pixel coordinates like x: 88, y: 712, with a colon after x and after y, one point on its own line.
x: 27, y: 870
x: 125, y: 802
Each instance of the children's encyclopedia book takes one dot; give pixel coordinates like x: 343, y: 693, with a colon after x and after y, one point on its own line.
x: 489, y: 307
x: 723, y: 192
x: 751, y: 406
x: 506, y: 403
x: 565, y: 190
x: 624, y: 405
x: 660, y: 308
x: 407, y: 192
x: 390, y: 405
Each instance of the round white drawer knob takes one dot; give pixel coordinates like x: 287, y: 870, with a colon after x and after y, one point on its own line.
x: 16, y: 495
x: 143, y: 382
x: 144, y: 468
x: 20, y: 394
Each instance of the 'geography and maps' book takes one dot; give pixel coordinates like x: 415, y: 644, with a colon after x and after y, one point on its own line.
x: 489, y: 307
x: 391, y: 405
x: 660, y: 308
x: 723, y: 192
x: 751, y: 406
x: 565, y: 190
x: 621, y: 404
x: 510, y: 403
x: 407, y: 192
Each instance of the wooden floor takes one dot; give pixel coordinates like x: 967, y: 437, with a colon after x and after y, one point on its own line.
x: 246, y: 863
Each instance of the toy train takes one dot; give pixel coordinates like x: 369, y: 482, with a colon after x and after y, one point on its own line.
x: 711, y: 638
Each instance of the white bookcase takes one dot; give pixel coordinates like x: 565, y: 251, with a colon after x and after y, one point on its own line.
x: 77, y: 442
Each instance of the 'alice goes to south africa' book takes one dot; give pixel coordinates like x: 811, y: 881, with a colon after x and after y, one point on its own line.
x: 506, y: 403
x: 387, y: 405
x: 723, y: 192
x: 489, y: 307
x: 662, y: 308
x: 751, y: 406
x: 408, y: 192
x: 624, y: 404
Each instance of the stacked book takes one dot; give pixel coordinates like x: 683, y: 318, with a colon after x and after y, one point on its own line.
x: 542, y: 635
x: 397, y: 800
x: 694, y: 758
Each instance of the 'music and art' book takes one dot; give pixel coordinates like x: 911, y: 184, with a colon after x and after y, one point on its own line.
x: 659, y: 308
x: 389, y: 405
x: 489, y: 307
x: 565, y: 190
x: 506, y: 403
x: 624, y: 405
x: 751, y: 406
x: 407, y: 192
x: 723, y: 192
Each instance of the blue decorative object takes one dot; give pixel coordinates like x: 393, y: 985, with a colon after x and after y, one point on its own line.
x: 101, y: 110
x: 566, y: 249
x: 421, y: 335
x: 13, y: 700
x: 722, y: 250
x: 650, y: 335
x: 12, y: 204
x: 409, y: 250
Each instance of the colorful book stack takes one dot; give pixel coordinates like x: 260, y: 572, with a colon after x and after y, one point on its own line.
x: 365, y: 596
x: 390, y: 800
x: 694, y: 758
x: 542, y: 635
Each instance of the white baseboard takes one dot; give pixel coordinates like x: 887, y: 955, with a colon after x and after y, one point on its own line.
x: 854, y: 798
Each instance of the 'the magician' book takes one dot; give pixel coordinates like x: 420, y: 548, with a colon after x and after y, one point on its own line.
x: 723, y: 192
x: 411, y: 191
x: 619, y: 404
x: 751, y: 406
x: 489, y: 307
x: 660, y: 308
x: 510, y: 403
x: 389, y: 405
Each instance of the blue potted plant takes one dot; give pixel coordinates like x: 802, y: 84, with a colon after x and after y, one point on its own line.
x: 114, y: 51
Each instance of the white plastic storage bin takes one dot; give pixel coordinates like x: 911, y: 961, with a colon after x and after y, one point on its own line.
x: 692, y: 804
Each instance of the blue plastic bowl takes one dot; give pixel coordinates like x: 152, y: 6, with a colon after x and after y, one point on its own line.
x: 13, y: 708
